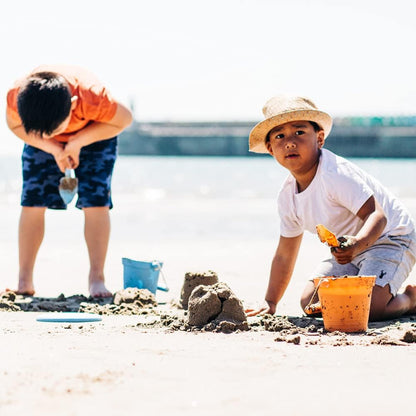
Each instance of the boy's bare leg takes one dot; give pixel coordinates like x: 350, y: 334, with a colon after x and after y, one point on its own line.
x: 385, y: 306
x: 97, y: 235
x: 31, y: 232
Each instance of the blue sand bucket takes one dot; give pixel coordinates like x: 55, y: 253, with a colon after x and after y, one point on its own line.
x: 142, y: 274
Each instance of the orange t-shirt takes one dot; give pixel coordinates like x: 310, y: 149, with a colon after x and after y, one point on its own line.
x: 94, y: 101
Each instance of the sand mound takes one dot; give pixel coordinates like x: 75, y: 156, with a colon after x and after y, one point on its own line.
x: 139, y: 297
x: 7, y: 302
x: 130, y: 301
x: 216, y: 308
x: 194, y: 279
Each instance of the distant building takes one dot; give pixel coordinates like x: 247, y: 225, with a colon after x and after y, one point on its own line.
x: 350, y: 136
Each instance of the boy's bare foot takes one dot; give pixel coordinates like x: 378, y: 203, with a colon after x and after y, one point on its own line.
x: 410, y: 291
x: 314, y: 309
x: 24, y: 292
x: 18, y: 292
x: 98, y: 290
x: 24, y: 288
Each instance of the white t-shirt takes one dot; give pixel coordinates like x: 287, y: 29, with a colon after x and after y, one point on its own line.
x: 333, y: 198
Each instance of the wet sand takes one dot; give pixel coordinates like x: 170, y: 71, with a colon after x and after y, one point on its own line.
x: 213, y: 308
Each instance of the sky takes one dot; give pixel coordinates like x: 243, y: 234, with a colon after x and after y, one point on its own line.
x: 186, y: 60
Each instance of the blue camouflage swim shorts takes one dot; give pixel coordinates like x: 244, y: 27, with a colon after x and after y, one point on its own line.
x: 41, y: 176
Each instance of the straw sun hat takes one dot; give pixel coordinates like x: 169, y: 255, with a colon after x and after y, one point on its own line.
x: 283, y: 109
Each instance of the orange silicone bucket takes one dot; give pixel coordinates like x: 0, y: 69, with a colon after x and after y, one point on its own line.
x: 345, y: 302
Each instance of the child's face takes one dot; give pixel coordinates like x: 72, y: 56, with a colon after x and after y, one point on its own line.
x: 295, y: 145
x: 59, y: 130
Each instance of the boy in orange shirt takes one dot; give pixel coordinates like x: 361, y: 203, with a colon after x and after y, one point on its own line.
x: 68, y: 120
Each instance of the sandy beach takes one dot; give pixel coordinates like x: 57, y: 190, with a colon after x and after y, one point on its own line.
x: 123, y: 364
x: 118, y: 366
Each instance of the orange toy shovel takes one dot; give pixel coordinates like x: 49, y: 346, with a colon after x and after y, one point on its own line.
x: 326, y: 236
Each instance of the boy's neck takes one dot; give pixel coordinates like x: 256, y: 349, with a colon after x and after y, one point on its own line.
x: 304, y: 180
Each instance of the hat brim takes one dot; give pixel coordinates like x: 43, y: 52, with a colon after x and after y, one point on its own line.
x: 257, y: 138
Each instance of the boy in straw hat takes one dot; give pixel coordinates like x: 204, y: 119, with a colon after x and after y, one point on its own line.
x: 323, y: 188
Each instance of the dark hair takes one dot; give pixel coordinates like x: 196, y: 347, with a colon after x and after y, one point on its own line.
x: 44, y: 102
x: 315, y: 126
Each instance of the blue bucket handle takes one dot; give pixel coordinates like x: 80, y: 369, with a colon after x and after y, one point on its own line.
x: 157, y: 266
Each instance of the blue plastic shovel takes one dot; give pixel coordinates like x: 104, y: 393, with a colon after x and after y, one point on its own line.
x: 68, y: 186
x: 68, y: 317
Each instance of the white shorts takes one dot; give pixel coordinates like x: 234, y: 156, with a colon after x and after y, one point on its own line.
x: 391, y: 259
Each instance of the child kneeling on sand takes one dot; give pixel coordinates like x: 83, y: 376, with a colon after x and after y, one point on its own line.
x: 68, y: 120
x: 323, y: 188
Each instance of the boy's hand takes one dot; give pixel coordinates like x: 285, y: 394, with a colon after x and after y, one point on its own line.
x: 56, y: 149
x: 347, y: 249
x: 72, y: 151
x: 63, y: 162
x: 266, y: 308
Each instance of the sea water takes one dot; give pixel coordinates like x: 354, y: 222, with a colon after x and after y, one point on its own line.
x: 213, y: 177
x: 236, y: 177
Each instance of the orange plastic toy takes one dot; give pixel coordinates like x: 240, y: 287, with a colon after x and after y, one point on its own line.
x: 326, y: 236
x: 345, y: 302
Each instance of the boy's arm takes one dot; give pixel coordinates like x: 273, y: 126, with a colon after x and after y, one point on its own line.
x: 49, y: 146
x: 280, y: 274
x: 97, y: 131
x: 374, y: 223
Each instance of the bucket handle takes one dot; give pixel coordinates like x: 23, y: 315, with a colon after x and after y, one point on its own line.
x: 157, y: 266
x: 314, y: 293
